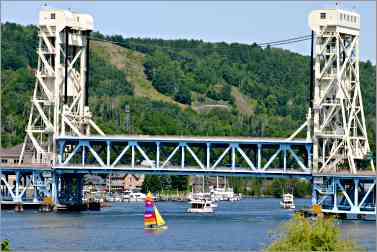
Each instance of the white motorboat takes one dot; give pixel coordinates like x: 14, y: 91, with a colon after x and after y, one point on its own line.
x: 287, y: 201
x: 137, y: 197
x: 200, y: 206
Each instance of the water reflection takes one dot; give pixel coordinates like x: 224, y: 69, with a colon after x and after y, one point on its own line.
x: 155, y: 231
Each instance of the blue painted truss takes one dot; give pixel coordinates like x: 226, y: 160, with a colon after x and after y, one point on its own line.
x: 230, y: 156
x: 345, y: 194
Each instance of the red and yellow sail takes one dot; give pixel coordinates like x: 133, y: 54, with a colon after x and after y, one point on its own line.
x: 152, y: 218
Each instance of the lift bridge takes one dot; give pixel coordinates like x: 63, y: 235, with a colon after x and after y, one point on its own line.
x: 63, y: 143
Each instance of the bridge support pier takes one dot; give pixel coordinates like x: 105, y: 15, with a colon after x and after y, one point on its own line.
x: 345, y: 196
x: 67, y: 191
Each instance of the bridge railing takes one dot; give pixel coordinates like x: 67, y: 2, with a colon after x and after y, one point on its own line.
x: 185, y: 155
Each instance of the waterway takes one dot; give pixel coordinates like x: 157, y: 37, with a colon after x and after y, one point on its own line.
x: 244, y: 225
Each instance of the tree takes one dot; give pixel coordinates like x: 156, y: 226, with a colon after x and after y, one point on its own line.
x: 151, y: 183
x: 277, y: 187
x: 183, y: 95
x: 179, y: 183
x: 301, y: 234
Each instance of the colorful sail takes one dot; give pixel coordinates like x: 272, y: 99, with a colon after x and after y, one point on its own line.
x: 160, y: 221
x: 149, y: 215
x: 152, y: 218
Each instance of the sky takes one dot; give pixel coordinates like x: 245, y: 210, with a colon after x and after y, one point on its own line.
x: 242, y: 22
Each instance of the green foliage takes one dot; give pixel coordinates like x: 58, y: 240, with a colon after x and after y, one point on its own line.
x: 275, y: 187
x: 151, y: 183
x: 301, y: 234
x: 183, y: 95
x: 179, y: 183
x: 105, y: 79
x: 167, y: 76
x: 154, y: 183
x: 17, y: 87
x: 5, y: 245
x: 258, y: 73
x: 220, y: 92
x: 18, y: 46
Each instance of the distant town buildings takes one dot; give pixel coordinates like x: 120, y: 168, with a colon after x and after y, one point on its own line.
x: 114, y: 182
x: 11, y: 155
x: 132, y: 181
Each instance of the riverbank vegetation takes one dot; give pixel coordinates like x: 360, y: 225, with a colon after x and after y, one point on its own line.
x: 257, y: 187
x: 261, y: 187
x: 301, y: 234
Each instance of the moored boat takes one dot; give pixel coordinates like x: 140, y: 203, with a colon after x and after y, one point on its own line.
x: 287, y: 201
x: 200, y: 206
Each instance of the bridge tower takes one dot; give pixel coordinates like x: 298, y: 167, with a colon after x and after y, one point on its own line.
x: 340, y: 139
x: 60, y: 97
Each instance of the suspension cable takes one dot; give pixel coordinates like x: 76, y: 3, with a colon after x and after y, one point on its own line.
x: 264, y: 44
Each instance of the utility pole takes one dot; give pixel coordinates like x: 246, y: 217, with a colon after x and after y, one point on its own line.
x: 128, y: 122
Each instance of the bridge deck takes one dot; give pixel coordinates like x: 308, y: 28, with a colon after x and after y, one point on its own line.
x: 191, y: 139
x: 241, y: 162
x: 25, y: 167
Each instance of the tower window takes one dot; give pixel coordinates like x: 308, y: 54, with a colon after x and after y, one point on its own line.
x: 52, y: 15
x: 323, y: 15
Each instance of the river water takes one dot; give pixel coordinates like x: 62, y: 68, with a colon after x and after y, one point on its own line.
x: 243, y: 225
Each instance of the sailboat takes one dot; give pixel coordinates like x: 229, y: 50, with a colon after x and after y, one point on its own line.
x: 152, y: 218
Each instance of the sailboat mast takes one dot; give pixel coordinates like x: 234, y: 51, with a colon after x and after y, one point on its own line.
x: 203, y: 185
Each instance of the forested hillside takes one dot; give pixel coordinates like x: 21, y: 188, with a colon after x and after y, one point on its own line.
x: 175, y: 86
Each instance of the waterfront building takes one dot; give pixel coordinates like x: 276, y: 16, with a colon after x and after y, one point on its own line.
x: 11, y: 155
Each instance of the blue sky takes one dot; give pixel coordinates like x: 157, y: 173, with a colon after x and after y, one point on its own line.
x: 243, y: 22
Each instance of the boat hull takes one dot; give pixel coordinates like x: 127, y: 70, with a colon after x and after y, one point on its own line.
x: 155, y: 227
x: 207, y: 210
x: 287, y: 206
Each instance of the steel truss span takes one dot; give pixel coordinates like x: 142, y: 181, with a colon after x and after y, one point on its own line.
x: 185, y: 155
x: 24, y: 186
x: 345, y: 195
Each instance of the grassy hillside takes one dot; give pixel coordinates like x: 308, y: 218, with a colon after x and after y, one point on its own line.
x: 176, y: 86
x: 132, y: 64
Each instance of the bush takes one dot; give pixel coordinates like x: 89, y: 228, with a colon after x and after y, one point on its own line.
x: 220, y: 92
x: 301, y: 234
x: 183, y: 96
x: 5, y: 245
